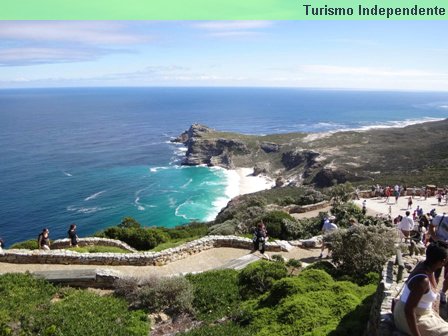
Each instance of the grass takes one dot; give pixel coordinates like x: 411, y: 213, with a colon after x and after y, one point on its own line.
x: 98, y: 249
x: 173, y: 243
x: 30, y: 306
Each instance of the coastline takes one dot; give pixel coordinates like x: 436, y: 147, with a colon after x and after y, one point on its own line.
x: 248, y: 183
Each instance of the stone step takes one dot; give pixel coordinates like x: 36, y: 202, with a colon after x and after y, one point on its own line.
x: 94, y: 278
x: 240, y: 263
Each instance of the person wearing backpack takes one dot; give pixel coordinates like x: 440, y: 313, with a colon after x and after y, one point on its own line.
x: 43, y: 240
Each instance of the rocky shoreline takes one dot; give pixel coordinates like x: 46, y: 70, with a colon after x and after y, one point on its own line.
x: 371, y: 156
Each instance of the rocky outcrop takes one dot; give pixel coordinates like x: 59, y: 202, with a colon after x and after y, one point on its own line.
x: 328, y: 177
x: 295, y: 158
x: 270, y: 147
x: 209, y: 151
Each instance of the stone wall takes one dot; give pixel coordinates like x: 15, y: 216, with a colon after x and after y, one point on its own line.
x: 92, y: 241
x: 381, y: 322
x: 132, y: 259
x: 306, y: 208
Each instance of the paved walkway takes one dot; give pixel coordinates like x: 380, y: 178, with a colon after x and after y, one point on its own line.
x: 207, y: 260
x: 379, y: 206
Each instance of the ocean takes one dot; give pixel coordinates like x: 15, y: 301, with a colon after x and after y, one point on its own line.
x: 92, y: 156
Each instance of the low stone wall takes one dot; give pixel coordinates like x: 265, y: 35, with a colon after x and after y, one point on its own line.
x: 381, y: 322
x: 306, y: 208
x: 92, y: 241
x: 131, y: 259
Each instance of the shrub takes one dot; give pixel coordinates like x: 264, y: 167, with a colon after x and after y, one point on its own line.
x: 276, y: 223
x: 341, y: 193
x: 258, y: 277
x: 30, y: 306
x: 27, y: 244
x: 362, y: 249
x: 215, y: 293
x: 229, y: 227
x: 310, y: 304
x: 226, y: 329
x: 172, y: 295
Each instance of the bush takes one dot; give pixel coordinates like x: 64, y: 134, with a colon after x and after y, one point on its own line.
x: 215, y: 293
x: 310, y: 304
x: 229, y: 227
x: 362, y: 249
x: 258, y: 277
x: 27, y: 244
x: 226, y: 329
x: 139, y: 238
x: 276, y: 223
x: 30, y: 306
x: 171, y: 295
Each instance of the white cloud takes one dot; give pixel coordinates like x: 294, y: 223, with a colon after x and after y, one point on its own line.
x: 233, y: 25
x: 365, y: 71
x: 86, y: 32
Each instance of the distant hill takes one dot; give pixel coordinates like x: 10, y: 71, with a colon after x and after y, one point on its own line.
x: 412, y: 155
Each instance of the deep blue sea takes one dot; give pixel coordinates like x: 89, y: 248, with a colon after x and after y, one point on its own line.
x: 92, y: 156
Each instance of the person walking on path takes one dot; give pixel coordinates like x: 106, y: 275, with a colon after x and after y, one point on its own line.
x: 413, y: 313
x: 73, y: 236
x: 327, y: 228
x: 410, y: 203
x: 43, y: 240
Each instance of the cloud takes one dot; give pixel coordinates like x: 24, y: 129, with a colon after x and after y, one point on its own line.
x: 365, y: 71
x: 233, y: 25
x: 233, y: 28
x: 26, y: 56
x: 85, y: 32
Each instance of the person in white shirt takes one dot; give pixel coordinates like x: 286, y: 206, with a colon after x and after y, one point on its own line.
x: 406, y: 225
x: 328, y: 227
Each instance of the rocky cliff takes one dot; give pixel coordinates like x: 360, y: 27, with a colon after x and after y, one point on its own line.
x: 416, y: 154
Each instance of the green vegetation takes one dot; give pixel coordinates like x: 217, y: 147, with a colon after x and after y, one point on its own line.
x: 361, y: 249
x: 257, y: 278
x: 244, y: 212
x: 27, y: 244
x: 172, y: 295
x: 30, y: 306
x: 215, y: 294
x: 98, y: 249
x: 143, y: 238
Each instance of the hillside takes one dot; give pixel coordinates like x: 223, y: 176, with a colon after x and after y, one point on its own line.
x: 412, y: 155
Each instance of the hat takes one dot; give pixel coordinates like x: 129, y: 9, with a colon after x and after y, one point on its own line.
x: 332, y: 217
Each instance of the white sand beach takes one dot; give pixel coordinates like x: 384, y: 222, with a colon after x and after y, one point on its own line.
x: 250, y: 184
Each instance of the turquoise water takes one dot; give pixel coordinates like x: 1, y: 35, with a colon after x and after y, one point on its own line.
x: 94, y: 156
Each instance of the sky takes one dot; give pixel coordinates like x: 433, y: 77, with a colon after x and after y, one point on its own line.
x: 364, y: 55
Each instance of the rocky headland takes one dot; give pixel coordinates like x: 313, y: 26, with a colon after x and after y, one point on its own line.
x: 413, y: 155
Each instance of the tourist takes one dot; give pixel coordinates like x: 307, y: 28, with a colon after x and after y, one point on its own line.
x: 438, y: 232
x: 413, y: 313
x: 357, y: 193
x: 439, y: 198
x: 364, y: 207
x: 419, y: 211
x: 43, y: 241
x: 2, y: 244
x: 406, y: 225
x: 260, y: 237
x: 410, y: 203
x: 396, y: 193
x: 327, y: 228
x: 73, y: 236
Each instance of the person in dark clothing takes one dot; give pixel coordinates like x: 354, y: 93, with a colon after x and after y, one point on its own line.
x: 43, y: 241
x: 260, y: 237
x: 73, y: 236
